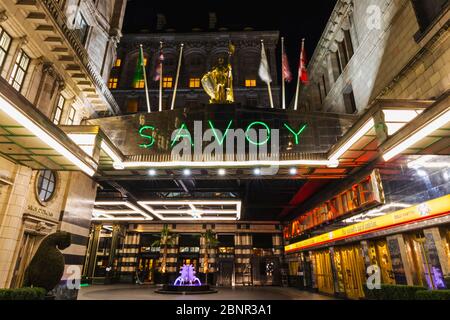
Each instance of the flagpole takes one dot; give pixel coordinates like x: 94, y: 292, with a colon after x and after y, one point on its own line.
x: 299, y: 76
x: 268, y: 82
x: 283, y: 85
x: 177, y: 78
x: 145, y: 81
x: 160, y: 77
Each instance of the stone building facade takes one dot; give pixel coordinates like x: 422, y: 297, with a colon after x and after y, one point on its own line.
x: 200, y: 54
x: 55, y: 59
x: 383, y: 49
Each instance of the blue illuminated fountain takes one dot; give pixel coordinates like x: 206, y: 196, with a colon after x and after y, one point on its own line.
x: 187, y: 277
x: 186, y: 283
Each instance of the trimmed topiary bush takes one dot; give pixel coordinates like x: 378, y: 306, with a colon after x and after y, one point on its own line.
x: 433, y: 295
x: 393, y: 292
x: 23, y: 294
x: 47, y: 266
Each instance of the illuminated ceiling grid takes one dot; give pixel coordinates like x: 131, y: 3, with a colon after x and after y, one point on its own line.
x: 194, y: 210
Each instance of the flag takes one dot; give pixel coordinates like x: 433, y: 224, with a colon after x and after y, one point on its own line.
x: 158, y: 70
x: 139, y: 73
x: 287, y: 74
x: 264, y: 72
x: 302, y: 72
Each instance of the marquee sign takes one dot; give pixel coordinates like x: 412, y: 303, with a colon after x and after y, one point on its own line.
x: 242, y: 133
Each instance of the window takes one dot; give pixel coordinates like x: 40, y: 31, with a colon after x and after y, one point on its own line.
x: 82, y: 28
x: 348, y: 43
x: 349, y: 100
x: 324, y: 84
x: 132, y: 106
x: 71, y: 118
x: 20, y: 70
x: 5, y: 43
x: 319, y: 89
x: 140, y: 84
x: 194, y: 83
x: 250, y: 82
x: 427, y: 11
x: 59, y: 110
x: 336, y: 65
x: 45, y: 186
x: 113, y: 82
x: 167, y: 82
x: 118, y: 63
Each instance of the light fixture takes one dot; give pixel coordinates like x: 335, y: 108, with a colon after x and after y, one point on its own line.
x: 353, y: 139
x: 223, y: 210
x: 117, y: 160
x: 117, y: 214
x: 293, y: 171
x: 186, y: 172
x: 422, y: 173
x: 419, y: 135
x: 257, y: 171
x: 45, y: 137
x: 222, y: 172
x: 152, y: 172
x: 231, y: 164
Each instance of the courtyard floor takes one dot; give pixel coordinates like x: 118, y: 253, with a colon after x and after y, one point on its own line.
x: 147, y: 292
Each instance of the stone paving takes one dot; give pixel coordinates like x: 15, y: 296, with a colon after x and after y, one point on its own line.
x: 147, y: 292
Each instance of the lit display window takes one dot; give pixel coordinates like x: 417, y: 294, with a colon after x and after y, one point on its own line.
x: 167, y: 82
x: 194, y: 83
x: 250, y: 82
x: 118, y: 63
x: 140, y: 84
x: 113, y: 82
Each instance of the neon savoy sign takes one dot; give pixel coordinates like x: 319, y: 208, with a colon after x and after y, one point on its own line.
x: 147, y: 133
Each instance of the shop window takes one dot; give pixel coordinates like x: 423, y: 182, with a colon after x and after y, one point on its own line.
x: 194, y: 83
x: 71, y: 118
x: 427, y: 11
x: 113, y: 82
x: 46, y: 185
x: 250, y: 83
x: 58, y: 110
x: 5, y: 43
x: 19, y: 70
x: 167, y: 82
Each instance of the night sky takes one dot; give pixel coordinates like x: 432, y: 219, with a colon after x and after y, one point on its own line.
x: 304, y: 19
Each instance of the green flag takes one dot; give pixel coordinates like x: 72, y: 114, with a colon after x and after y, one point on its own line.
x: 139, y: 73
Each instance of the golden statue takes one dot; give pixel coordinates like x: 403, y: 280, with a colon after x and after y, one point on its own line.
x: 218, y: 83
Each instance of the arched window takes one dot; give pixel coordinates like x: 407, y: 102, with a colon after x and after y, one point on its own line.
x: 45, y: 185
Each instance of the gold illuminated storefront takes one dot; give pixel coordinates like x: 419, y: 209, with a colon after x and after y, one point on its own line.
x: 323, y: 272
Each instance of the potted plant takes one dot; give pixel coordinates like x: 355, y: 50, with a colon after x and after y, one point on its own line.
x: 211, y: 241
x: 167, y: 239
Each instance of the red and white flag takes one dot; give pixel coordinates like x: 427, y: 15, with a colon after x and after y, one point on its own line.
x: 302, y: 72
x: 159, y: 63
x: 287, y: 74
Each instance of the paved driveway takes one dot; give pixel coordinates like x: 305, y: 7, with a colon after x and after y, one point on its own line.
x: 147, y: 292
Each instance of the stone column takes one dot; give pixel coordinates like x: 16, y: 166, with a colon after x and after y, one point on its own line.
x: 11, y: 224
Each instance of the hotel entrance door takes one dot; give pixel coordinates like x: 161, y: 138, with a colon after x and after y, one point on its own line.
x: 147, y: 267
x: 226, y: 270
